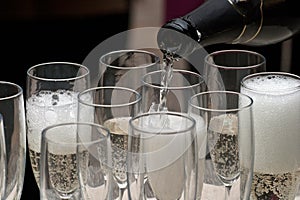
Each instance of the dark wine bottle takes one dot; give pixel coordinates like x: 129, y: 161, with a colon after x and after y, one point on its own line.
x: 248, y: 22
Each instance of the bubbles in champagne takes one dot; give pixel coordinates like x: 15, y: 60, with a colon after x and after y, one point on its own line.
x: 272, y: 83
x: 47, y: 108
x: 224, y: 146
x: 118, y: 125
x: 44, y: 109
x: 119, y: 140
x: 276, y: 115
x: 274, y: 186
x: 63, y: 172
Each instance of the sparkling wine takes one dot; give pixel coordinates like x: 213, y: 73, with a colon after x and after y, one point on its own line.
x: 166, y: 77
x: 119, y: 138
x: 274, y: 186
x: 271, y: 124
x: 276, y: 126
x: 63, y: 172
x: 62, y: 164
x: 223, y: 145
x: 44, y: 109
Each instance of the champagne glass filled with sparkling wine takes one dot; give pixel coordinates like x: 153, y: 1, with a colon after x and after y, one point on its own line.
x: 13, y: 128
x: 276, y: 114
x: 224, y: 70
x: 112, y: 107
x: 227, y: 120
x: 74, y: 157
x: 51, y: 97
x: 162, y: 151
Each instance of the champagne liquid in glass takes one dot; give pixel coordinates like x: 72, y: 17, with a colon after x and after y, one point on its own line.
x: 54, y: 107
x: 276, y: 127
x: 223, y: 134
x: 119, y: 138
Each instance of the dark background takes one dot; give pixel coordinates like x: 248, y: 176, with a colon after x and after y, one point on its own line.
x: 32, y: 32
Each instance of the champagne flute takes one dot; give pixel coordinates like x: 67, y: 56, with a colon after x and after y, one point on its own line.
x: 52, y: 90
x: 162, y: 150
x: 224, y: 69
x: 112, y: 107
x: 227, y: 117
x: 276, y: 114
x: 13, y: 127
x: 174, y: 96
x: 2, y: 159
x: 70, y: 155
x: 125, y: 68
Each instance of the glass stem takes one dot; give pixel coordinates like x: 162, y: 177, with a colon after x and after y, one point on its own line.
x: 121, y: 193
x: 227, y: 192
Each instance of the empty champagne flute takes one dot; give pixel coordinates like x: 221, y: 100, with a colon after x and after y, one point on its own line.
x: 227, y: 118
x: 175, y: 95
x: 112, y: 107
x: 224, y: 69
x: 124, y: 68
x: 13, y: 126
x: 51, y: 97
x: 276, y: 115
x: 162, y: 151
x: 74, y: 160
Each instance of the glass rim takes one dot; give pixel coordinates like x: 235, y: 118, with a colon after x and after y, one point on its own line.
x: 80, y: 66
x: 225, y: 92
x: 88, y: 124
x: 157, y: 60
x: 17, y: 94
x: 254, y: 53
x: 172, y: 132
x: 173, y: 87
x: 284, y: 74
x: 84, y: 92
